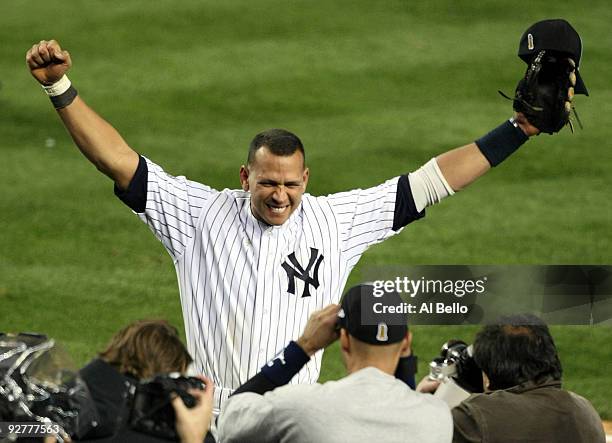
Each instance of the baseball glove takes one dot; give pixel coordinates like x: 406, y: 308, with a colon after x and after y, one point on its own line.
x: 544, y: 95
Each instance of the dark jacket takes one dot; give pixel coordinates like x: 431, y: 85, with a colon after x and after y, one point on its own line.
x: 110, y: 391
x: 528, y: 412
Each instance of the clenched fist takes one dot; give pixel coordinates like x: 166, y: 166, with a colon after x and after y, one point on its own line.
x: 48, y: 62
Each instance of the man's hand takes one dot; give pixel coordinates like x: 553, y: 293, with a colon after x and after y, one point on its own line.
x: 192, y: 424
x: 524, y: 124
x: 320, y: 331
x: 427, y: 385
x: 48, y: 62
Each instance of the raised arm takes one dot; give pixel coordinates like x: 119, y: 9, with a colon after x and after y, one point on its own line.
x: 462, y: 166
x: 455, y: 169
x: 96, y: 138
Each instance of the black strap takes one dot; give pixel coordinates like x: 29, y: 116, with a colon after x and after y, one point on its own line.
x: 502, y: 141
x: 63, y: 100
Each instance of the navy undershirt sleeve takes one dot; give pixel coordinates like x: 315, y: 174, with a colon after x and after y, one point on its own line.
x: 278, y: 372
x: 135, y: 196
x: 257, y: 384
x: 405, y: 209
x: 282, y: 369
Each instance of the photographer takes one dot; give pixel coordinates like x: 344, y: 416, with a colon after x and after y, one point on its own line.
x: 523, y: 400
x: 369, y: 404
x: 140, y: 351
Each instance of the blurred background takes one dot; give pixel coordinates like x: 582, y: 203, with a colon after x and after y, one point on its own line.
x: 373, y: 88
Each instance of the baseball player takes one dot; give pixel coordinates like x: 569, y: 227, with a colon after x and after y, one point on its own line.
x: 253, y: 263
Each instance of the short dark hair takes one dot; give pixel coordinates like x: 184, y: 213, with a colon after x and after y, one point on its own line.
x: 518, y: 348
x: 146, y: 348
x: 278, y: 141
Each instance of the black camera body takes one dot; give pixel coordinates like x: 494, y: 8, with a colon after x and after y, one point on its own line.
x: 456, y: 362
x: 152, y: 412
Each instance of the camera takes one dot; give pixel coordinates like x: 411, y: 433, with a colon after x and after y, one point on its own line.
x: 152, y: 412
x: 456, y: 362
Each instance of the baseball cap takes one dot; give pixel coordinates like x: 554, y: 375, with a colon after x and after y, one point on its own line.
x: 553, y: 35
x: 375, y: 325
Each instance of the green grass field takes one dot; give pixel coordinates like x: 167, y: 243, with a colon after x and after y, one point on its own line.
x: 373, y: 88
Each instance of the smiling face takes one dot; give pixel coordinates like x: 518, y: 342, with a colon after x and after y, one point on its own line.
x: 276, y: 184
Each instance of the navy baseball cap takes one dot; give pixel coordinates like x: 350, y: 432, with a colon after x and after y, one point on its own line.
x: 553, y: 35
x: 372, y: 317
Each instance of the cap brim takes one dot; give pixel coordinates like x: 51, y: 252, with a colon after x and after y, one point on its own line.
x: 580, y: 87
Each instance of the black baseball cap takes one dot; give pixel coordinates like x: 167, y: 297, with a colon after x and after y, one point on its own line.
x: 553, y: 35
x: 372, y: 317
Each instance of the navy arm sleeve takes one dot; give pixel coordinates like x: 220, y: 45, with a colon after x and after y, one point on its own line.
x: 278, y: 372
x: 135, y: 196
x: 258, y: 384
x: 405, y: 209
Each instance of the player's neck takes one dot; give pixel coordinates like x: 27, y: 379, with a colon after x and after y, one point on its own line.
x: 386, y: 366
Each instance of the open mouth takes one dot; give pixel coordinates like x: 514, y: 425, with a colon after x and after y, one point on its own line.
x: 276, y: 209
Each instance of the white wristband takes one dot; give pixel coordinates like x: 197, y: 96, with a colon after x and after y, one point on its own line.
x: 58, y: 88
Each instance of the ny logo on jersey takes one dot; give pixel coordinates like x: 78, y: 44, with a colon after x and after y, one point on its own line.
x: 297, y: 271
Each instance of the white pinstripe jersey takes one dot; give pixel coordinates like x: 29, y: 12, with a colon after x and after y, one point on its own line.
x: 236, y: 274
